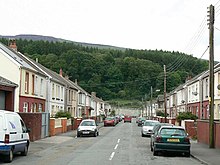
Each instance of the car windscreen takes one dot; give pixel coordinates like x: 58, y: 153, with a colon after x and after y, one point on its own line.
x: 88, y: 123
x: 173, y: 131
x: 109, y: 118
x: 150, y: 123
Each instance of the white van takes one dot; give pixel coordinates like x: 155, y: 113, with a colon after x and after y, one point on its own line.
x: 14, y: 135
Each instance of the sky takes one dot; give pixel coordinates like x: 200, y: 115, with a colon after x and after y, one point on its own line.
x: 169, y: 25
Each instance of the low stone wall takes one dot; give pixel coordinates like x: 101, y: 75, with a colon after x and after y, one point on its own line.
x: 60, y: 125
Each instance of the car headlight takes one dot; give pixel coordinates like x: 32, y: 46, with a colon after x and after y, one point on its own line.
x: 78, y: 129
x: 93, y: 129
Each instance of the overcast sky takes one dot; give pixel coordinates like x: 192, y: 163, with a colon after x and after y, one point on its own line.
x: 171, y: 25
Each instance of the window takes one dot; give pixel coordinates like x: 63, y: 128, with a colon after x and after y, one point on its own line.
x: 61, y: 94
x: 41, y: 87
x: 32, y: 107
x: 33, y: 83
x: 25, y: 107
x: 35, y: 107
x: 36, y: 85
x: 53, y: 110
x: 218, y: 82
x: 69, y: 95
x: 58, y: 92
x: 40, y: 108
x: 206, y: 88
x: 27, y: 82
x: 53, y: 91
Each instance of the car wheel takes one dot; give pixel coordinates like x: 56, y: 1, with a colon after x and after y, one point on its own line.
x: 24, y: 153
x: 142, y: 135
x: 187, y: 154
x: 95, y: 134
x: 155, y: 153
x: 9, y: 157
x: 78, y: 135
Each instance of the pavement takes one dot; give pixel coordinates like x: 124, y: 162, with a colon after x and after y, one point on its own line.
x: 199, y: 151
x: 204, y: 154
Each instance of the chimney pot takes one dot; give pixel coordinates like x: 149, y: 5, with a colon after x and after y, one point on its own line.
x: 61, y: 72
x: 12, y: 44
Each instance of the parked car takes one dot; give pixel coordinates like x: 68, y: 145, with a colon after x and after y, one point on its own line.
x: 109, y: 121
x: 137, y: 119
x: 141, y: 121
x: 88, y: 127
x: 127, y: 118
x: 154, y: 131
x: 14, y: 135
x: 117, y: 119
x: 171, y: 138
x: 147, y: 127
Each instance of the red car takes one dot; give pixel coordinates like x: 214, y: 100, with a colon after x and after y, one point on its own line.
x: 109, y: 121
x: 127, y: 118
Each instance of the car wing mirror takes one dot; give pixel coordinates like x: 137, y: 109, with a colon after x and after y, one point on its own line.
x: 28, y: 130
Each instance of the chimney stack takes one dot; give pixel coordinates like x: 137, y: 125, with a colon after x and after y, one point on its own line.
x: 93, y: 94
x: 61, y: 72
x: 12, y: 44
x: 76, y: 81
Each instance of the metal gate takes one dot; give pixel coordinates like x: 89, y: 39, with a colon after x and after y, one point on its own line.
x: 45, y: 125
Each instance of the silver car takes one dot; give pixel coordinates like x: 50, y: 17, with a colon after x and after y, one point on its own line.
x: 88, y: 127
x: 147, y: 127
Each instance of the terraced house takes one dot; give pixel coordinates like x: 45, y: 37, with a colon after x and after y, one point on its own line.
x: 193, y: 96
x: 28, y: 87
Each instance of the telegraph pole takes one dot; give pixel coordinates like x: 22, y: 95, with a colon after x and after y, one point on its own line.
x: 165, y: 100
x: 211, y: 75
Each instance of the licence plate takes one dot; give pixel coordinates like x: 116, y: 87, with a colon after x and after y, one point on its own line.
x: 173, y: 140
x: 86, y: 132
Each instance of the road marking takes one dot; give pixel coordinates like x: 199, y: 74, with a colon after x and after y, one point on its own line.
x: 118, y: 140
x: 112, y: 155
x: 116, y: 146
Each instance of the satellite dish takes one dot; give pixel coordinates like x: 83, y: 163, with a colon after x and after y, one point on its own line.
x: 218, y: 86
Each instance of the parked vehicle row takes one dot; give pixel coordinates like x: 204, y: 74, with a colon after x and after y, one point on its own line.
x: 165, y: 137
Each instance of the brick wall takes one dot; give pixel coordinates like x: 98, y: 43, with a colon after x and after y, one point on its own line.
x: 203, y: 131
x: 34, y: 122
x: 217, y: 134
x: 191, y: 128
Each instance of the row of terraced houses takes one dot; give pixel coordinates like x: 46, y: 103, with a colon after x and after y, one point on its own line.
x: 26, y: 86
x: 193, y: 96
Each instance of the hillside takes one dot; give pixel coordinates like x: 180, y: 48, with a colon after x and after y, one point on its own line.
x: 111, y: 73
x: 53, y: 39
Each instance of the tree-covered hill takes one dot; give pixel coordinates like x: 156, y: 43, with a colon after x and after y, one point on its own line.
x: 113, y: 74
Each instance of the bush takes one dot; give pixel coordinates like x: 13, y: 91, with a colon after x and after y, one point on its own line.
x: 186, y: 115
x: 63, y: 114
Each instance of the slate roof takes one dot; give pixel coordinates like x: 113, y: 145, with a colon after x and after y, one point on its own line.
x: 5, y: 82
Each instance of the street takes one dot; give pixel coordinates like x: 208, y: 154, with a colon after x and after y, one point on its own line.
x: 121, y: 144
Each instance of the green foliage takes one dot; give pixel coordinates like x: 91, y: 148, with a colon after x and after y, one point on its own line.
x: 63, y: 114
x: 186, y: 115
x: 112, y: 113
x: 114, y: 74
x: 161, y: 113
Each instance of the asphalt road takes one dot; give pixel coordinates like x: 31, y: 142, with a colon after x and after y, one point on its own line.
x: 121, y: 144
